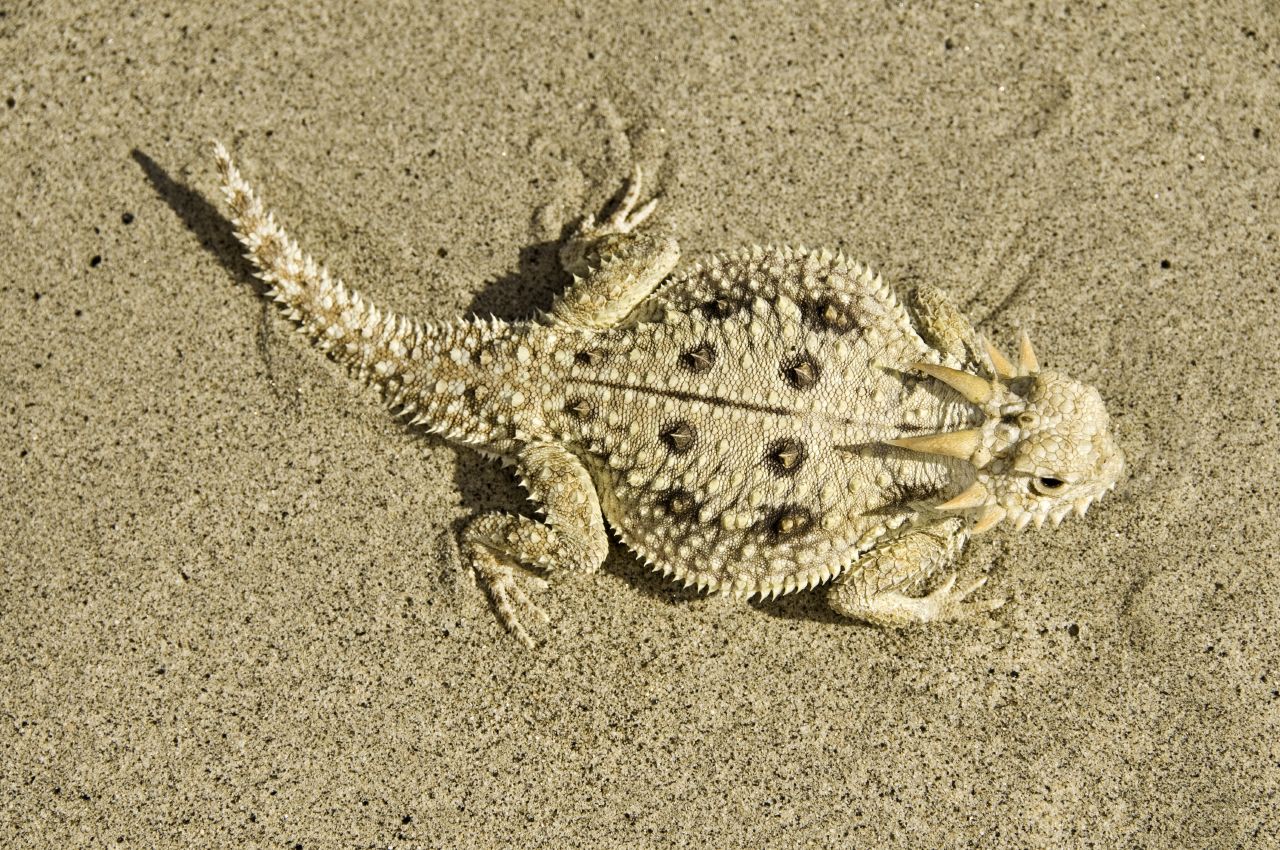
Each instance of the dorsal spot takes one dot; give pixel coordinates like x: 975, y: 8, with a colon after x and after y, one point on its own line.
x: 801, y: 373
x: 699, y: 359
x: 580, y: 408
x: 785, y: 456
x: 718, y: 308
x: 590, y: 357
x: 789, y: 521
x: 678, y: 503
x: 680, y: 436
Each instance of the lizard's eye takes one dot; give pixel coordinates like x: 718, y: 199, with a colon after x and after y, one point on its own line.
x: 1047, y: 486
x: 1027, y: 419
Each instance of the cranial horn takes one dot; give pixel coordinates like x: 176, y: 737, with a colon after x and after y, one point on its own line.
x: 999, y: 362
x: 989, y: 519
x: 975, y: 389
x: 1027, y: 363
x: 974, y: 496
x: 958, y: 444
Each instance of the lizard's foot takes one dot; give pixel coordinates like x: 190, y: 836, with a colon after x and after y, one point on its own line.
x: 893, y: 609
x: 592, y: 240
x: 948, y: 602
x: 499, y: 580
x: 626, y: 217
x: 571, y: 537
x: 872, y: 589
x: 614, y: 267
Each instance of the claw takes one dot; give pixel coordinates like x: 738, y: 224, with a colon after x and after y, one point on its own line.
x: 629, y: 198
x: 506, y: 594
x: 953, y: 604
x: 522, y: 597
x: 623, y: 219
x: 972, y: 586
x: 643, y: 213
x: 944, y: 589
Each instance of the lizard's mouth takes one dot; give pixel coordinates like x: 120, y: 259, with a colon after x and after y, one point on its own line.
x: 983, y: 499
x: 1022, y: 516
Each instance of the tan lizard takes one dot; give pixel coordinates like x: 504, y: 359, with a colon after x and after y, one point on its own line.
x: 766, y: 421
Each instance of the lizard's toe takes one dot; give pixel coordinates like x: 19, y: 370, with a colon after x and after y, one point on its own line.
x: 507, y: 596
x: 961, y: 607
x: 949, y: 602
x: 626, y: 217
x: 510, y: 599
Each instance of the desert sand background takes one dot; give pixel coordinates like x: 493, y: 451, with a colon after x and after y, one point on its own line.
x: 231, y: 613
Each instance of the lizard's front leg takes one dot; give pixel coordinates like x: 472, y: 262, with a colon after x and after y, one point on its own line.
x: 873, y: 588
x: 571, y: 537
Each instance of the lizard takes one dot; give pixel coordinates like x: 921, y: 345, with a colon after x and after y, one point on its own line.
x: 766, y: 421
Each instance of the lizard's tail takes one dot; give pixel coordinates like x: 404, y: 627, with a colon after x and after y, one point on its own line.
x: 378, y: 346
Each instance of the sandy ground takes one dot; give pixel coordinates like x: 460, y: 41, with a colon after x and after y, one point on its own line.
x: 232, y: 614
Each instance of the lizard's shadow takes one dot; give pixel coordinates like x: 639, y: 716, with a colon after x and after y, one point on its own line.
x: 482, y: 484
x: 202, y: 218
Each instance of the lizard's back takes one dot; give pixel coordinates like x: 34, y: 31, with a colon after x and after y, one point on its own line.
x: 735, y: 428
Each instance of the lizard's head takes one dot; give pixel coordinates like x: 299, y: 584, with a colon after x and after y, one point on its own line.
x: 1044, y: 451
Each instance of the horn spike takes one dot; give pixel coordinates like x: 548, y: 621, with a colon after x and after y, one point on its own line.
x: 957, y: 444
x: 1027, y: 363
x: 989, y: 519
x: 1003, y: 366
x: 973, y: 388
x: 974, y: 496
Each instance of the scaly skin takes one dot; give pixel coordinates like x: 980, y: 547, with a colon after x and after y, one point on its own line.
x: 764, y: 422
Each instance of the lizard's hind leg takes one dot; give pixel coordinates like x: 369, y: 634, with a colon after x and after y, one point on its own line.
x: 571, y: 537
x: 615, y: 267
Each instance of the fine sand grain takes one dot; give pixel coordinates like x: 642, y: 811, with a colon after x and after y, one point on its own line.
x: 230, y: 611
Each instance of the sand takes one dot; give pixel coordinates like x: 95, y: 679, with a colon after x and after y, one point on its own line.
x: 231, y: 612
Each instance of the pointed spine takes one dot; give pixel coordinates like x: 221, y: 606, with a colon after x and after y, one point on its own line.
x: 990, y: 518
x: 974, y: 496
x: 1002, y: 365
x: 974, y: 389
x: 957, y: 444
x: 1028, y: 364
